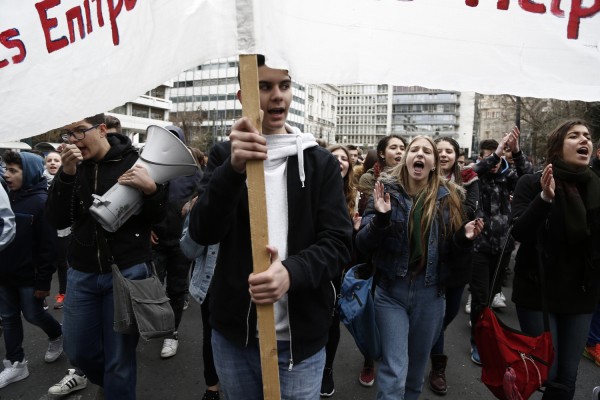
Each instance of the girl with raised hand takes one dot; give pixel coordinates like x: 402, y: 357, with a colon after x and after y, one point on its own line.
x: 556, y: 218
x: 412, y: 226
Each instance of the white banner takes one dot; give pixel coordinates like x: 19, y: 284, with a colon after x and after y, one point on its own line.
x: 63, y: 60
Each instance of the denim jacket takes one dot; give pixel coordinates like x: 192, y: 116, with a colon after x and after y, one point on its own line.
x: 204, y: 265
x: 385, y: 237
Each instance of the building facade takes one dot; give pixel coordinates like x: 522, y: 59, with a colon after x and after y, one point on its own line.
x: 151, y: 108
x: 321, y: 111
x: 496, y: 117
x: 366, y: 113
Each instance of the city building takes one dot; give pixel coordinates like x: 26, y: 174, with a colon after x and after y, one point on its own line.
x: 496, y: 117
x: 151, y: 108
x: 366, y: 113
x: 321, y: 111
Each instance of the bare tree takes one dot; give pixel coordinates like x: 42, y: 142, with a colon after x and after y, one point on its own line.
x: 540, y: 116
x: 191, y: 123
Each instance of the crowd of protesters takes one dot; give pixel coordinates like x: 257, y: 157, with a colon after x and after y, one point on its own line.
x: 429, y: 225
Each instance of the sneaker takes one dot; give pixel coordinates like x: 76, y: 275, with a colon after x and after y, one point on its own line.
x: 169, y: 348
x: 58, y: 304
x: 367, y: 376
x: 46, y: 305
x: 593, y: 353
x: 468, y: 305
x: 13, y: 372
x: 211, y: 395
x: 327, y: 387
x: 70, y: 383
x: 55, y: 349
x: 596, y: 393
x: 498, y: 302
x: 475, y: 355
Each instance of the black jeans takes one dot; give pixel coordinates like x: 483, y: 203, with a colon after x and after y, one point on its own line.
x: 171, y: 262
x: 210, y: 373
x: 484, y: 265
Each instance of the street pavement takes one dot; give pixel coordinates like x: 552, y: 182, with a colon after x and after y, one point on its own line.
x: 181, y: 378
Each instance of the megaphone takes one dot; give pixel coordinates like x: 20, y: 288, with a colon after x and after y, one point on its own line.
x: 165, y: 157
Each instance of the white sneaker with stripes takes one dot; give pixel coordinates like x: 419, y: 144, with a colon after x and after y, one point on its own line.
x: 70, y: 383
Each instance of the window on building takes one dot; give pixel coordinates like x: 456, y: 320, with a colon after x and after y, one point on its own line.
x: 157, y: 113
x: 138, y: 110
x: 120, y: 110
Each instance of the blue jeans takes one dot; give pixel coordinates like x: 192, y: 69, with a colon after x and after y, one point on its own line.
x: 13, y: 301
x: 453, y: 299
x: 569, y: 333
x: 240, y: 376
x: 409, y: 317
x: 106, y: 357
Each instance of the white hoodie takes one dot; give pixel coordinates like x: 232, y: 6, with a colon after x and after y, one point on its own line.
x: 280, y: 147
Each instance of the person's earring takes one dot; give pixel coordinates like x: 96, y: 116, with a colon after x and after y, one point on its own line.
x: 433, y: 169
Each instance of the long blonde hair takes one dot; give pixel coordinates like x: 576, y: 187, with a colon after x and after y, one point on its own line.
x: 399, y: 174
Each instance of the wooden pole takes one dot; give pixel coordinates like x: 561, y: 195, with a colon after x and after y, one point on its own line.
x: 259, y: 232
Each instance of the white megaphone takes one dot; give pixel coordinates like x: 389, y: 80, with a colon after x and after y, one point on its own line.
x: 165, y: 157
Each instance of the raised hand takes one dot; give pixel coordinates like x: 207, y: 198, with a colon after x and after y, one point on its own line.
x: 513, y: 143
x: 547, y: 182
x: 381, y: 200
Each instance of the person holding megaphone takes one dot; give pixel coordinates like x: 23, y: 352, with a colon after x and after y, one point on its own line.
x: 92, y: 162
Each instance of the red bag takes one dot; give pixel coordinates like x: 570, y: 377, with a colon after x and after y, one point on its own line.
x: 514, y: 364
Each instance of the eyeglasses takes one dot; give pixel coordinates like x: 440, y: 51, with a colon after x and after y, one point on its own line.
x: 78, y: 134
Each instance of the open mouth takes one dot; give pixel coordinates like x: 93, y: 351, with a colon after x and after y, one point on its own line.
x: 584, y: 151
x: 418, y: 166
x: 276, y: 111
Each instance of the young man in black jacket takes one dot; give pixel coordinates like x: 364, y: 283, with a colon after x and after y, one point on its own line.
x: 92, y: 163
x: 27, y: 265
x: 309, y: 236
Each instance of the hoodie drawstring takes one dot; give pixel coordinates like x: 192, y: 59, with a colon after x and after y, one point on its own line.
x: 300, y: 159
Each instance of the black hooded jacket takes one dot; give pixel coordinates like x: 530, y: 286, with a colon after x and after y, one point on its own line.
x: 71, y: 197
x: 319, y: 245
x: 29, y: 259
